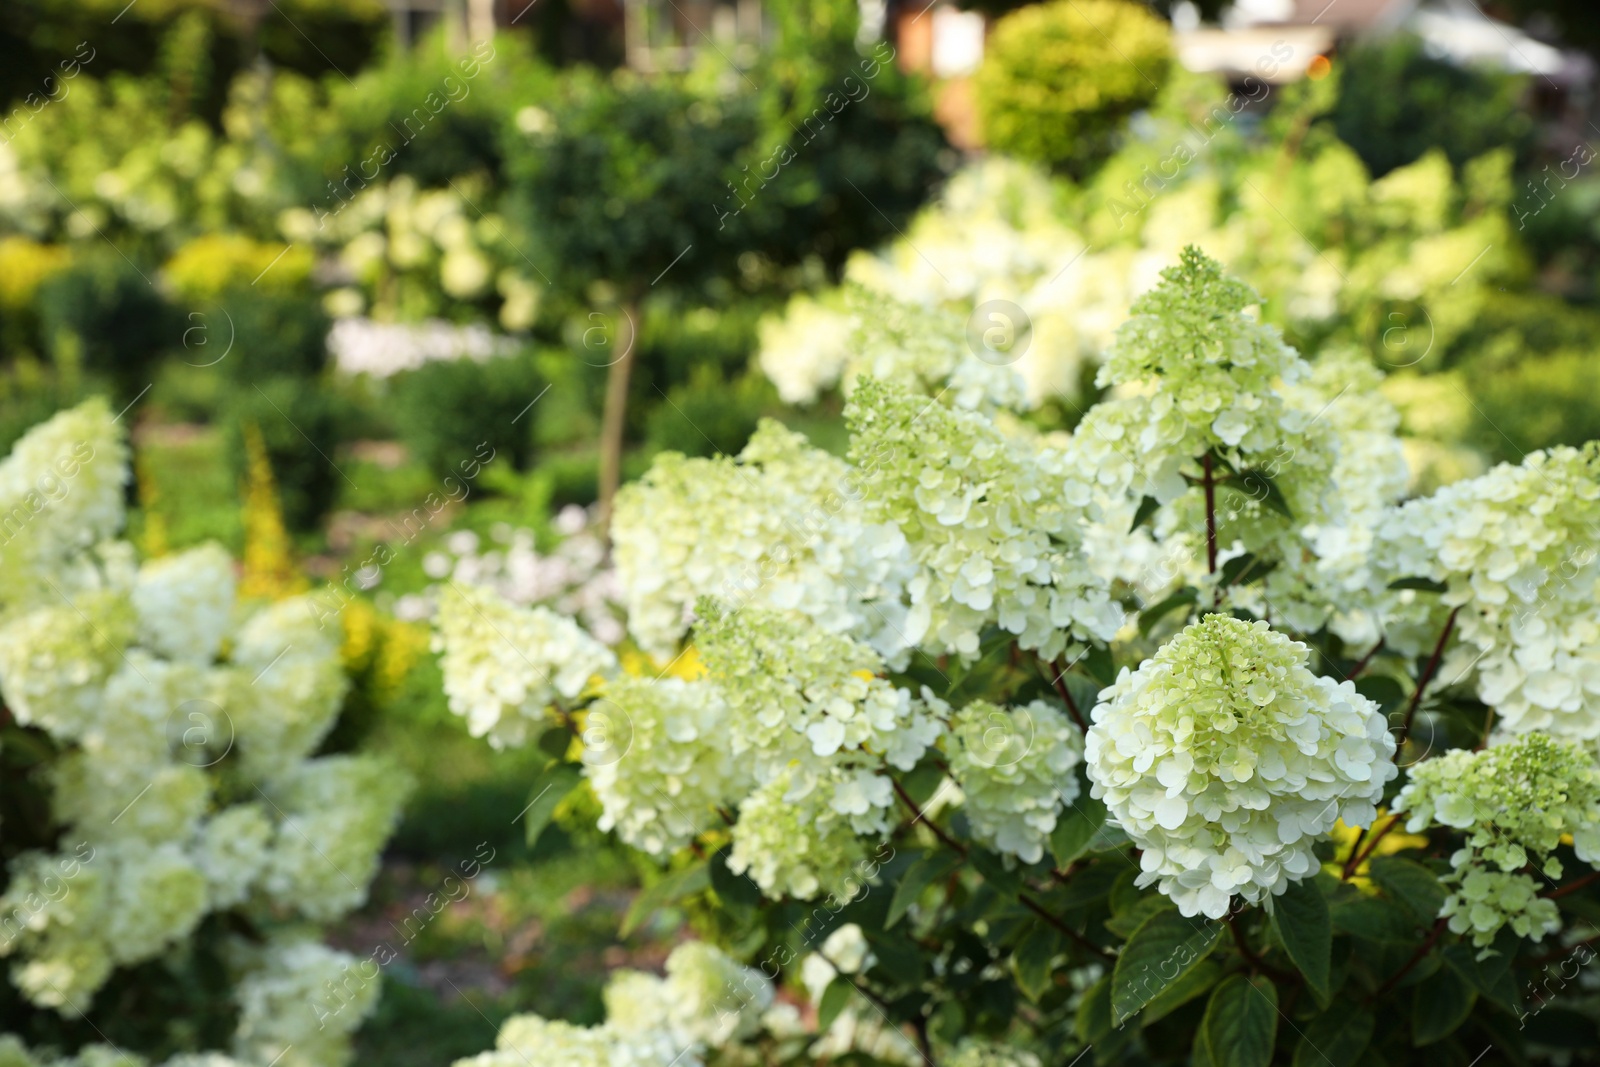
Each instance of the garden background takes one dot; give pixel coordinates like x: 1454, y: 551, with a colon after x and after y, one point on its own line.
x: 361, y: 282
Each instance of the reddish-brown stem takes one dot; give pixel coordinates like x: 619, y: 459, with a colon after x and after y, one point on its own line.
x: 1044, y: 913
x: 1211, y: 515
x: 1488, y: 724
x: 949, y: 841
x: 1428, y: 672
x: 1060, y: 683
x: 1573, y: 886
x: 1027, y: 901
x: 1416, y: 958
x: 1358, y: 858
x: 1362, y: 664
x: 1251, y: 957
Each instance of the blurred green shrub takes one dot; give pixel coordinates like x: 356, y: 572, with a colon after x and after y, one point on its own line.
x: 300, y: 424
x: 103, y: 315
x: 707, y: 415
x: 1059, y: 79
x: 1396, y: 102
x: 447, y: 411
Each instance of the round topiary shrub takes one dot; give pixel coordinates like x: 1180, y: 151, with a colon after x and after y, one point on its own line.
x: 1058, y: 79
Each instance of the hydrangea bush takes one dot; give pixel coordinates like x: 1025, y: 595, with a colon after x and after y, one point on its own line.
x: 1004, y: 746
x: 171, y: 837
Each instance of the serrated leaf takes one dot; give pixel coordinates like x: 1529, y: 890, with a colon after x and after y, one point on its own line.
x: 1160, y: 952
x: 1300, y: 917
x: 1155, y: 613
x: 1241, y: 1022
x: 1443, y: 1001
x: 1032, y: 960
x: 1147, y: 508
x: 833, y: 1001
x: 929, y: 868
x: 672, y: 888
x: 549, y: 789
x: 1076, y: 826
x: 1425, y: 585
x: 1124, y: 923
x: 1412, y: 884
x: 1336, y: 1038
x: 1194, y: 982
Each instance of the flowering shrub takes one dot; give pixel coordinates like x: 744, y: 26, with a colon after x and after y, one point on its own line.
x: 1012, y: 747
x: 170, y: 836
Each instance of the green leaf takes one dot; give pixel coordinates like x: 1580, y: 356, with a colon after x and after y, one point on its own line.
x: 555, y: 742
x: 1094, y: 1012
x: 929, y: 868
x: 1190, y: 984
x: 1241, y: 1022
x: 993, y: 870
x: 1159, y: 953
x: 1260, y: 486
x: 1147, y: 508
x: 1089, y: 884
x: 1443, y: 1001
x: 1381, y: 690
x: 1126, y: 921
x: 1336, y: 1038
x: 1032, y: 961
x: 1426, y: 585
x: 1077, y: 826
x: 1101, y: 666
x: 549, y: 790
x: 736, y: 890
x: 1242, y: 570
x: 1410, y: 883
x: 1148, y: 617
x: 672, y: 888
x: 834, y: 999
x: 1372, y: 919
x: 1300, y: 917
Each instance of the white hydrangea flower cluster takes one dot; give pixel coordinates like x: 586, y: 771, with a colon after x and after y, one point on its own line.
x: 60, y: 494
x: 816, y: 725
x: 790, y: 532
x: 505, y: 665
x: 1514, y: 801
x: 281, y: 1001
x: 1487, y: 899
x: 707, y: 1001
x: 675, y: 767
x: 1333, y: 582
x: 575, y: 578
x: 983, y: 517
x: 1014, y: 767
x: 918, y: 348
x: 1225, y: 760
x: 14, y: 1054
x: 974, y: 1053
x: 791, y: 842
x: 1517, y: 548
x: 186, y: 725
x: 798, y: 694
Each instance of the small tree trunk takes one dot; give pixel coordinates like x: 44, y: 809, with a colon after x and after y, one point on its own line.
x: 614, y: 421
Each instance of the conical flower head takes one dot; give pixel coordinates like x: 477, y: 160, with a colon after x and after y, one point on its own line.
x: 1225, y: 760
